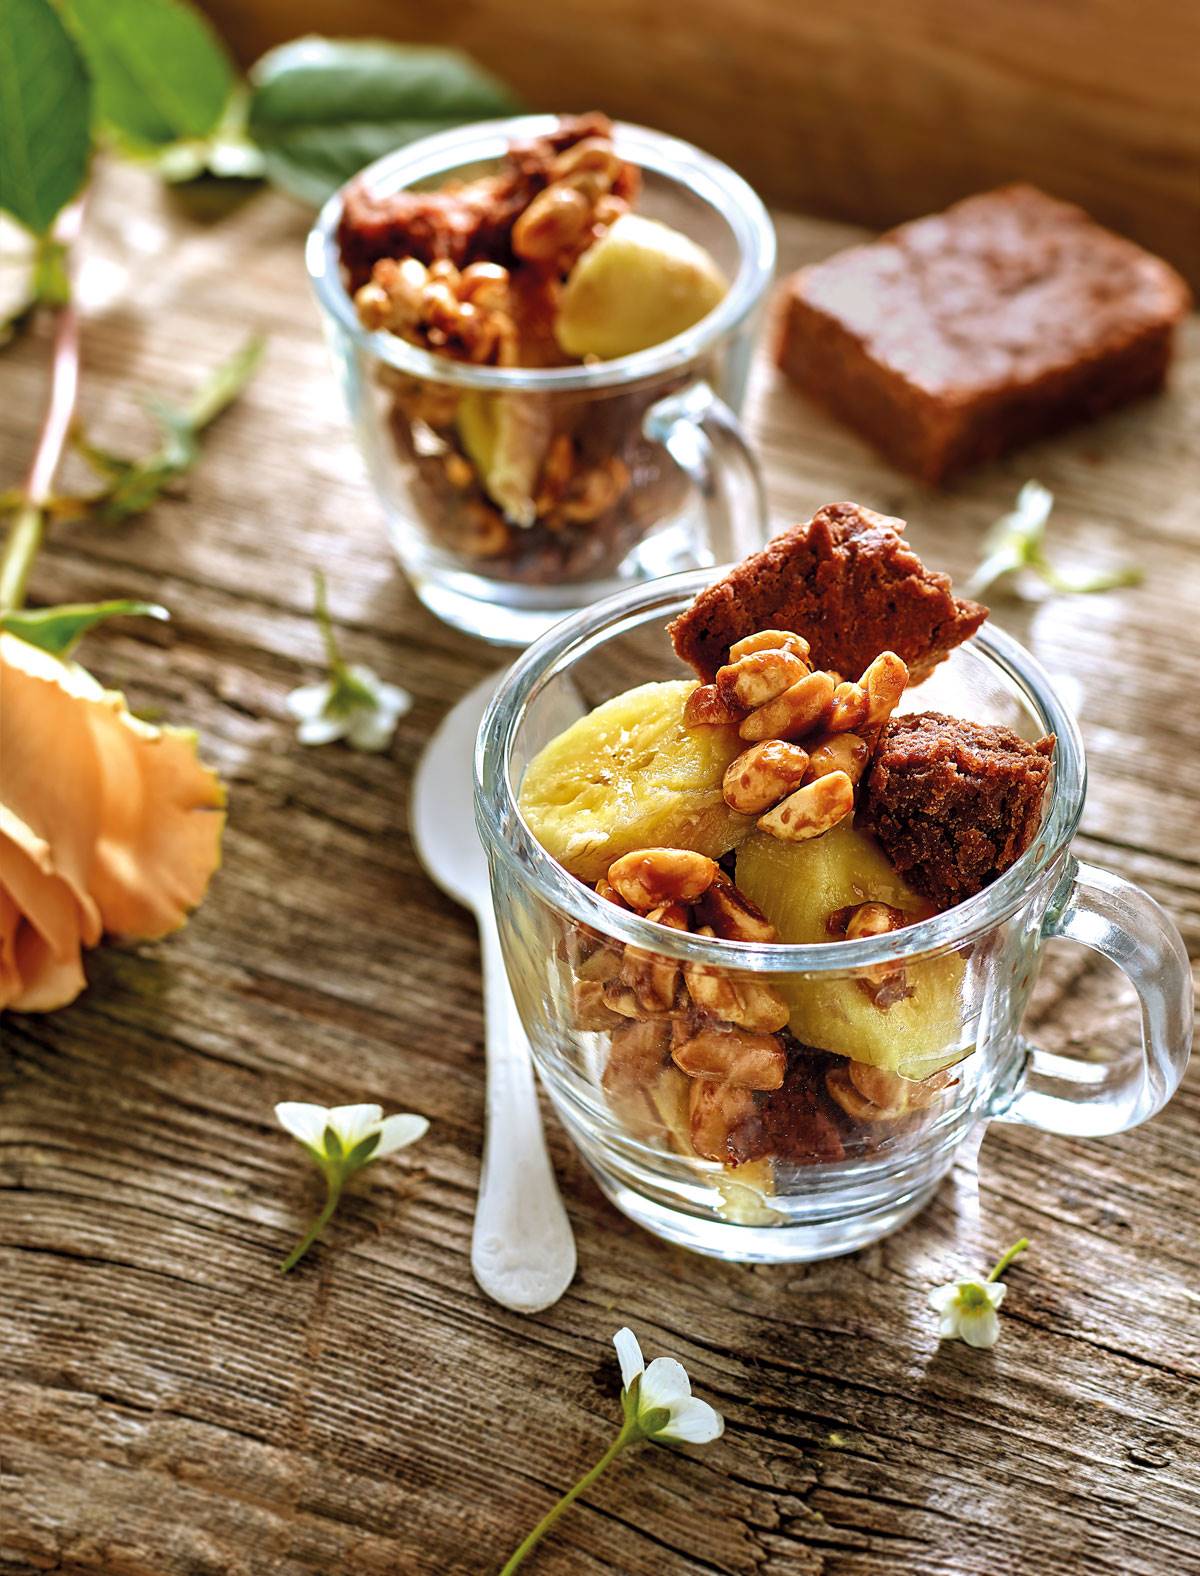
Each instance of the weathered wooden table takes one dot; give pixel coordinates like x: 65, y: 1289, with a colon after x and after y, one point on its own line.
x: 172, y: 1407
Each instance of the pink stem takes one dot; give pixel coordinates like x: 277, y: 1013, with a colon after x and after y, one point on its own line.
x: 28, y: 525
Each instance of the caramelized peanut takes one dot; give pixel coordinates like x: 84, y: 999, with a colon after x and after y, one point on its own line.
x: 770, y: 640
x: 848, y: 709
x: 760, y: 676
x: 715, y: 1112
x: 553, y: 221
x: 748, y: 1003
x: 796, y: 711
x: 705, y: 707
x: 651, y: 877
x: 731, y: 914
x: 748, y: 1061
x: 637, y: 1057
x: 762, y: 775
x: 884, y: 683
x: 838, y: 752
x: 874, y: 919
x: 811, y: 810
x: 872, y: 1094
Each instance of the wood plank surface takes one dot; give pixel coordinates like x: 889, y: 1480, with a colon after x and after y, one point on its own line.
x: 170, y: 1406
x: 863, y: 111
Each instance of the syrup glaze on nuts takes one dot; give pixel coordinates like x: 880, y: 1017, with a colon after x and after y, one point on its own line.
x: 735, y: 814
x: 484, y: 271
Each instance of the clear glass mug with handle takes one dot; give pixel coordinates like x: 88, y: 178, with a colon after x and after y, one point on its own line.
x: 878, y: 1092
x: 661, y: 475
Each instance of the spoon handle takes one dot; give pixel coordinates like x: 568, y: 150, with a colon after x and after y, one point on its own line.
x: 522, y: 1250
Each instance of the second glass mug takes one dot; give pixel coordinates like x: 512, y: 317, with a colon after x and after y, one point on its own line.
x: 849, y: 1150
x: 664, y: 479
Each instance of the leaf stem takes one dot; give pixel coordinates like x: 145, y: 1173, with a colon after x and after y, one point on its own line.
x: 1002, y: 1264
x: 333, y: 1183
x: 630, y: 1432
x: 28, y: 528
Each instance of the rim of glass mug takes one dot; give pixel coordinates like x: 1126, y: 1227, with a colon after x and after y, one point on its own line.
x: 505, y: 833
x: 726, y: 192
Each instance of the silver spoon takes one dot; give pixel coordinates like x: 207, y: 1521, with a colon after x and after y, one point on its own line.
x: 522, y: 1248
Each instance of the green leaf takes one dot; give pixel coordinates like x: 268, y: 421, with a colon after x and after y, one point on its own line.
x: 160, y: 71
x: 322, y: 108
x: 45, y: 114
x: 132, y: 485
x: 60, y: 629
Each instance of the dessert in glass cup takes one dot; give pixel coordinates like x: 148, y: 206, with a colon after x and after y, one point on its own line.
x: 772, y: 927
x: 543, y: 325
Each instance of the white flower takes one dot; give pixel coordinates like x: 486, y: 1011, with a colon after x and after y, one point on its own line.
x: 663, y: 1389
x: 354, y: 704
x: 18, y: 272
x: 968, y: 1311
x: 352, y: 1124
x: 341, y: 1139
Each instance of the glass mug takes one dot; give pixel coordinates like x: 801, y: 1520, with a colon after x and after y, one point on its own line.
x: 659, y: 475
x: 848, y: 1150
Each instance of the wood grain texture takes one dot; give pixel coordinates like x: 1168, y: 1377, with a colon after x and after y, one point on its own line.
x: 860, y: 110
x: 169, y: 1406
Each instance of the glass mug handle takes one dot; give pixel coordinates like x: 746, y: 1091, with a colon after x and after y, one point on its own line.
x: 1088, y: 1099
x: 705, y: 439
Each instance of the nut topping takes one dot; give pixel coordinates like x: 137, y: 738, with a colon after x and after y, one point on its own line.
x: 872, y: 1094
x: 758, y: 677
x: 732, y: 915
x: 848, y: 709
x: 762, y: 775
x: 770, y: 640
x: 838, y: 752
x: 705, y: 707
x: 651, y: 877
x: 884, y: 682
x: 748, y: 1061
x: 748, y: 1003
x: 811, y: 810
x: 795, y: 712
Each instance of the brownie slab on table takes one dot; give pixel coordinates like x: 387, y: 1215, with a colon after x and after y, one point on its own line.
x: 956, y: 337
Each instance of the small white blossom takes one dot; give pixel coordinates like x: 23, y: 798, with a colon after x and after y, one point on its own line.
x: 968, y: 1308
x: 968, y: 1311
x: 342, y: 1139
x: 355, y: 705
x: 660, y: 1399
x: 352, y: 1124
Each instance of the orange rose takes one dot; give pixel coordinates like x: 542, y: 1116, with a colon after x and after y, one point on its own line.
x: 106, y: 825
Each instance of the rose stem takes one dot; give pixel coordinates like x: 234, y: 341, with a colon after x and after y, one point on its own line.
x: 29, y: 522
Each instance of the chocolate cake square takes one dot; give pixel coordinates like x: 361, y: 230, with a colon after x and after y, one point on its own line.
x: 848, y: 582
x: 954, y: 803
x: 956, y: 337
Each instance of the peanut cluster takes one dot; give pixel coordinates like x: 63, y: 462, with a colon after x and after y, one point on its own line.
x: 465, y: 314
x: 722, y: 1031
x: 770, y: 689
x: 726, y: 1033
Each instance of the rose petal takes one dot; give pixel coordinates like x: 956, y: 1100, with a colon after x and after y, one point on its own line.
x: 397, y: 1132
x: 693, y: 1422
x: 629, y: 1355
x: 44, y: 969
x: 52, y: 793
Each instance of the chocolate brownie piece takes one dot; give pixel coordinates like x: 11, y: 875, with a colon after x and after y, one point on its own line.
x: 954, y: 338
x: 467, y: 221
x: 848, y: 582
x: 954, y: 803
